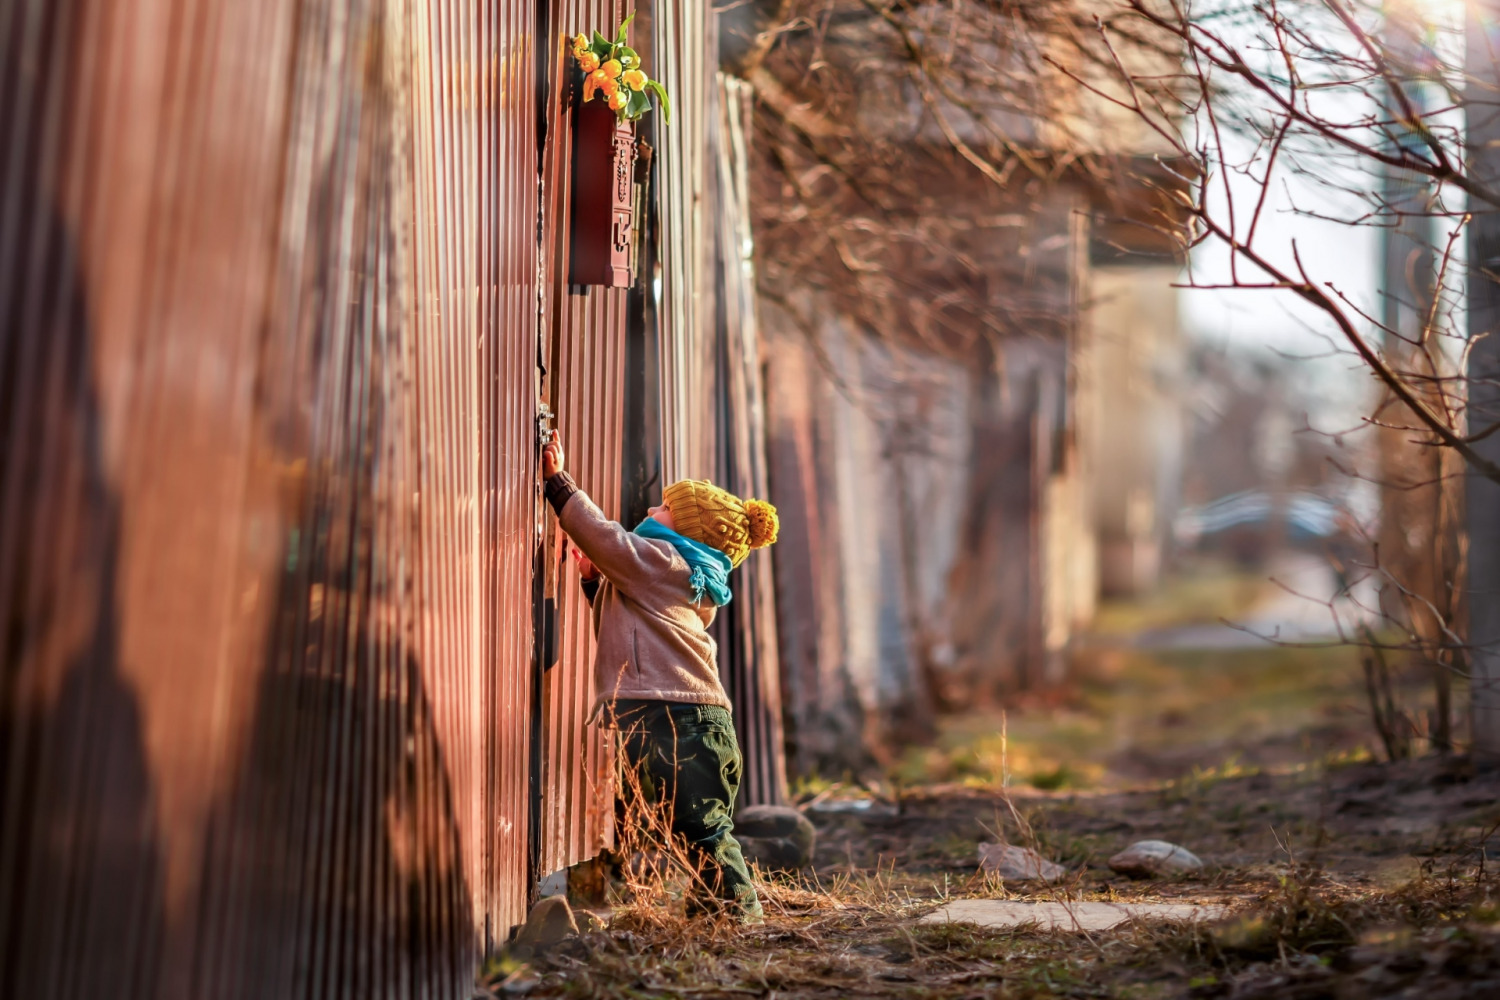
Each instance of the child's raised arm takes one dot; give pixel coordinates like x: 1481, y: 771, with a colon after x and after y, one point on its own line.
x: 630, y: 561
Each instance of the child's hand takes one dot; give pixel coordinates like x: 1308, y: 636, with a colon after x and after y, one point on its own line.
x: 586, y: 567
x: 552, y: 457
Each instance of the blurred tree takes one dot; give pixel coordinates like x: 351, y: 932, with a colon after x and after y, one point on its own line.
x: 1338, y: 92
x: 1481, y: 94
x: 929, y: 186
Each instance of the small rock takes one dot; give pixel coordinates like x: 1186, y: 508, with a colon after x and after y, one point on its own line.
x: 555, y: 884
x: 1148, y: 858
x: 549, y: 922
x: 1095, y: 916
x: 778, y: 838
x: 1017, y: 864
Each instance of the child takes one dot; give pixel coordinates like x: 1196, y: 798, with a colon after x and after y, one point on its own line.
x: 654, y: 592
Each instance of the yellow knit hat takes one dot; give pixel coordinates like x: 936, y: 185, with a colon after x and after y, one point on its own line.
x: 719, y: 519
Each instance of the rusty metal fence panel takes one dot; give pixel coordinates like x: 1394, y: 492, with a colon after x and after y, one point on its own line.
x: 267, y: 514
x: 585, y: 328
x: 749, y: 655
x: 709, y: 381
x: 505, y: 57
x: 683, y: 47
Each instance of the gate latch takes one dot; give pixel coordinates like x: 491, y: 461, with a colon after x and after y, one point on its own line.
x: 544, y: 417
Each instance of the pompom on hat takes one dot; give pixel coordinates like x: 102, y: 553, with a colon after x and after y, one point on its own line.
x: 705, y: 513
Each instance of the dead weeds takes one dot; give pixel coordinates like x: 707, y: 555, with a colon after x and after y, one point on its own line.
x: 1298, y: 932
x: 1343, y: 878
x: 1327, y: 899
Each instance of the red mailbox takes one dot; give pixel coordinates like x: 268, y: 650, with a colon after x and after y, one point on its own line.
x: 603, y: 217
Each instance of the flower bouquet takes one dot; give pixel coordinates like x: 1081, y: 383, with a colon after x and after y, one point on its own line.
x: 612, y: 71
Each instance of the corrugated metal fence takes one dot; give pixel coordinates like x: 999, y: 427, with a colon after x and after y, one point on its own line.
x: 749, y: 656
x: 683, y: 64
x: 268, y: 296
x: 275, y: 312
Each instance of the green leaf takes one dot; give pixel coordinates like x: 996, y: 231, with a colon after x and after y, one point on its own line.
x: 620, y: 38
x: 661, y: 95
x: 601, y: 45
x: 639, y: 104
x: 635, y: 59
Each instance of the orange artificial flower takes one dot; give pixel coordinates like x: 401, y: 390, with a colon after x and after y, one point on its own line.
x: 588, y: 61
x: 612, y: 68
x: 609, y: 87
x: 634, y: 79
x: 589, y: 86
x: 618, y: 100
x: 581, y: 41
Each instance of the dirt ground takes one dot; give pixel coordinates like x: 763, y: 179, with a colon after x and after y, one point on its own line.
x: 1345, y: 876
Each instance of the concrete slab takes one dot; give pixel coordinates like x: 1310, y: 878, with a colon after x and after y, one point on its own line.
x: 1064, y: 916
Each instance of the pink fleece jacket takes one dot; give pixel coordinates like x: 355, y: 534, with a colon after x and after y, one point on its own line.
x: 651, y: 641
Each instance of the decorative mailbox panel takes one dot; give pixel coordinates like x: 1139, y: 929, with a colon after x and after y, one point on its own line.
x: 603, y: 170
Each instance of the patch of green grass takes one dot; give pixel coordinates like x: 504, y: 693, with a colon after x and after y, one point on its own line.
x: 956, y: 846
x: 1204, y: 594
x: 1201, y: 779
x: 1155, y: 702
x: 808, y: 786
x: 1051, y: 780
x: 953, y: 940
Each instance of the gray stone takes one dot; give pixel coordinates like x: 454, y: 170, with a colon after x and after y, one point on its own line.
x: 1148, y: 858
x: 555, y: 884
x: 1064, y: 916
x: 778, y: 838
x: 549, y: 922
x: 1017, y: 864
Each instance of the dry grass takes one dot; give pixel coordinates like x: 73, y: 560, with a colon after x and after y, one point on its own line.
x: 1298, y: 933
x: 1345, y: 878
x: 1207, y: 591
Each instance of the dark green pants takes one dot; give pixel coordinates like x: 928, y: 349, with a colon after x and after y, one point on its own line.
x: 684, y: 760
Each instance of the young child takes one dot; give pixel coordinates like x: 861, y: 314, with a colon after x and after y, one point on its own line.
x: 654, y: 592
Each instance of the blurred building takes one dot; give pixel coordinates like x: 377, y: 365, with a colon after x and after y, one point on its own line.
x: 1135, y: 418
x: 957, y: 478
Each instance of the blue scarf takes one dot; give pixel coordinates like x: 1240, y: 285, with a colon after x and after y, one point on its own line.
x: 710, y: 567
